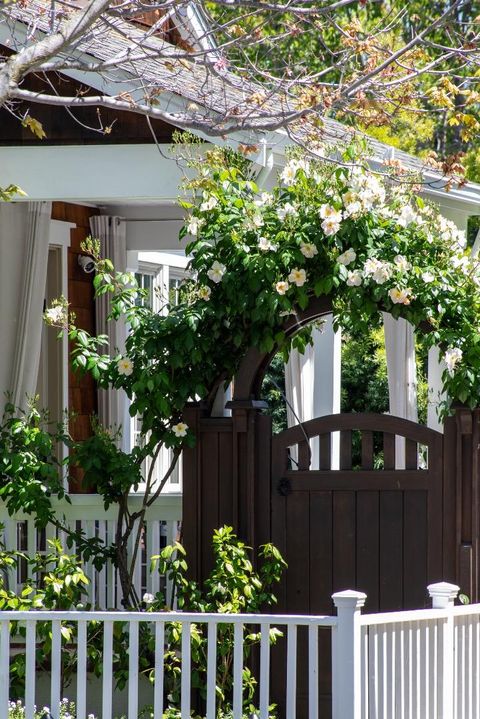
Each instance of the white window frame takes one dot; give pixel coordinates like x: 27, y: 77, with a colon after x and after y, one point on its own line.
x: 162, y: 267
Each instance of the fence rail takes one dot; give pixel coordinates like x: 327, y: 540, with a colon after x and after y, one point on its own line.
x: 86, y: 512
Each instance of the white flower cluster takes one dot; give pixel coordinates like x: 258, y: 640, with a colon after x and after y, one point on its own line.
x: 364, y: 193
x: 57, y: 314
x: 378, y: 270
x: 452, y: 357
x: 265, y: 245
x: 290, y: 170
x: 209, y: 202
x: 296, y: 277
x: 331, y: 219
x: 287, y: 209
x: 194, y: 224
x: 450, y: 233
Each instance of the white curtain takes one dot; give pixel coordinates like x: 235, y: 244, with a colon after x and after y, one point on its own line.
x: 112, y: 404
x: 24, y: 236
x: 402, y: 375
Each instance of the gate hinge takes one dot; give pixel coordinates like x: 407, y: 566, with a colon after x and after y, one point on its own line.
x: 284, y: 487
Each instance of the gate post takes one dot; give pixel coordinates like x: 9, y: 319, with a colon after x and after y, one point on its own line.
x: 462, y: 461
x: 226, y: 479
x: 347, y: 656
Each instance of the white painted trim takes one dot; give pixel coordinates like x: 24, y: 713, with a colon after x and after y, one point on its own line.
x: 60, y: 237
x: 163, y: 258
x: 92, y: 173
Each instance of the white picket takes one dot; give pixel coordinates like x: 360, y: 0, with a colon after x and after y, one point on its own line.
x: 186, y: 670
x: 159, y: 669
x: 56, y: 678
x: 211, y: 669
x: 81, y: 669
x: 30, y: 648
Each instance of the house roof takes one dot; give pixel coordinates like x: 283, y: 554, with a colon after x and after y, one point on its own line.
x: 181, y: 83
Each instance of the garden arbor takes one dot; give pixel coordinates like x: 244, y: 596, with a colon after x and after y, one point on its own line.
x: 388, y: 532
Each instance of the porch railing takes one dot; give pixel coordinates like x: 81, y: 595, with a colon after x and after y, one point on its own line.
x: 86, y: 512
x: 421, y: 664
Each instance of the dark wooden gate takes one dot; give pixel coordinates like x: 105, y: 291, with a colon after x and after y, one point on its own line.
x: 366, y: 525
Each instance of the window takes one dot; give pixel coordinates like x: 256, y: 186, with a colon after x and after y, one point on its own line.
x: 161, y: 275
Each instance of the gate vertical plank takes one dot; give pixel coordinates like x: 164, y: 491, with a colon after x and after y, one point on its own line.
x: 388, y: 450
x: 415, y: 533
x: 346, y: 449
x: 344, y: 550
x: 411, y: 454
x: 367, y: 449
x: 391, y: 550
x: 326, y: 451
x: 321, y: 584
x: 209, y: 497
x: 449, y: 500
x: 298, y: 531
x: 368, y: 547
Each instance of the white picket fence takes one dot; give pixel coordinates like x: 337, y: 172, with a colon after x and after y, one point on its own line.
x: 86, y: 512
x: 422, y: 664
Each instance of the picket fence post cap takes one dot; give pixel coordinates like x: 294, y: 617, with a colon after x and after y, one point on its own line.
x: 442, y: 594
x: 349, y: 598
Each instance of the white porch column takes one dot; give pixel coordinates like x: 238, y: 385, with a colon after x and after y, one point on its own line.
x: 313, y: 384
x: 24, y: 237
x: 402, y: 375
x: 436, y: 366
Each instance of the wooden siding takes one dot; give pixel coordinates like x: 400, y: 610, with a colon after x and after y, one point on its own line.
x: 62, y: 128
x: 81, y: 389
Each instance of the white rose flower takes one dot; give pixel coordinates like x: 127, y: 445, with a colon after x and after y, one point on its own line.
x: 204, y: 292
x: 330, y: 226
x: 209, y: 204
x: 265, y: 199
x: 287, y: 209
x: 288, y: 174
x: 407, y: 216
x: 56, y: 315
x: 265, y: 245
x: 353, y: 209
x: 308, y: 249
x: 379, y: 271
x: 297, y: 277
x: 216, y: 272
x: 428, y: 277
x: 347, y: 257
x: 400, y: 296
x: 354, y: 278
x: 148, y: 598
x: 402, y: 263
x: 282, y: 287
x: 194, y: 225
x: 452, y: 357
x: 329, y: 212
x: 180, y: 429
x: 125, y: 366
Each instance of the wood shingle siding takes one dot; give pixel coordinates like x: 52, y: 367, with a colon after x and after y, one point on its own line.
x: 82, y: 392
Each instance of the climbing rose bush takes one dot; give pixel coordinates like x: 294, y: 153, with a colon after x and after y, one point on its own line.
x: 258, y: 257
